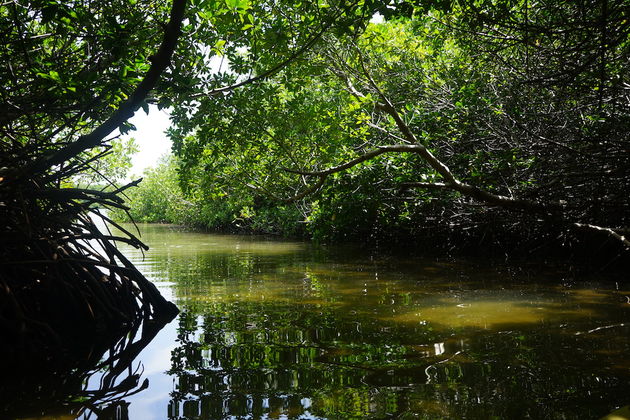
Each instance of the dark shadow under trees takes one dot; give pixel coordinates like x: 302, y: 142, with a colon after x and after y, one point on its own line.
x: 61, y: 276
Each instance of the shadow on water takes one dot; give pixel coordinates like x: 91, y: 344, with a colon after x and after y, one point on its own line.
x: 88, y: 377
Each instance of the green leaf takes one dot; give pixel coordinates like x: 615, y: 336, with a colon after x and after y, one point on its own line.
x: 54, y: 76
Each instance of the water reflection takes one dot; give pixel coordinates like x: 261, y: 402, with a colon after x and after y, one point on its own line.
x: 282, y: 330
x: 91, y: 379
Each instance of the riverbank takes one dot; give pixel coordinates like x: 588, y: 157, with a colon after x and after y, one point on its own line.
x: 586, y: 256
x: 342, y: 213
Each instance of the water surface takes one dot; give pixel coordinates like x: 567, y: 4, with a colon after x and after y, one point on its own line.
x: 285, y: 330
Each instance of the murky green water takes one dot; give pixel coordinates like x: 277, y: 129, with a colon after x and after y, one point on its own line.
x: 285, y: 330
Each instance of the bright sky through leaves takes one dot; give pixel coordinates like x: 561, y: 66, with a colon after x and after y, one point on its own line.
x: 150, y: 137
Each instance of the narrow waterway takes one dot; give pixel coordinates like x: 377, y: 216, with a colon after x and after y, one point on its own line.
x: 287, y: 330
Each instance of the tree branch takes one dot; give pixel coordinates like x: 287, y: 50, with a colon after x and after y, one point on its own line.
x: 160, y: 61
x: 366, y: 156
x: 453, y: 183
x: 270, y: 72
x: 606, y: 230
x: 417, y: 147
x: 310, y: 190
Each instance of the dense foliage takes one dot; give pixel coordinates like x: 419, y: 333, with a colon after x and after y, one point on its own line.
x: 158, y: 197
x: 472, y: 120
x: 71, y: 75
x: 483, y: 121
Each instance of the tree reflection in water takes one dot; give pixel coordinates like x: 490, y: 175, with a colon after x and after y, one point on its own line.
x: 248, y: 360
x: 286, y: 331
x: 90, y: 379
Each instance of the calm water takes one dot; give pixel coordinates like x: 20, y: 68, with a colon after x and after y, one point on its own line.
x: 285, y: 330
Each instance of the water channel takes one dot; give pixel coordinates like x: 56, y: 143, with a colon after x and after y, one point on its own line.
x: 274, y: 329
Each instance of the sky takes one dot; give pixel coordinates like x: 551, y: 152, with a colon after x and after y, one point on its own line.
x: 150, y: 138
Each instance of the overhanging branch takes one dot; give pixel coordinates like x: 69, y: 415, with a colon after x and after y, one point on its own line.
x: 607, y: 231
x: 159, y: 63
x: 270, y: 72
x: 452, y: 183
x: 366, y: 156
x: 308, y: 191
